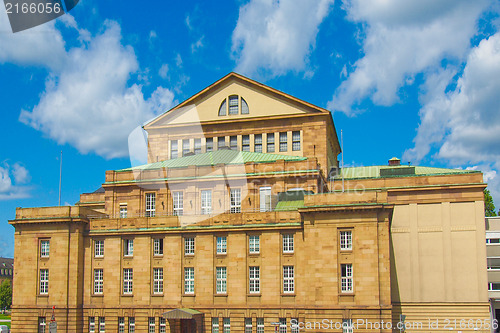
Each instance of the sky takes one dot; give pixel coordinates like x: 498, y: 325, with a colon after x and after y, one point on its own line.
x: 415, y: 79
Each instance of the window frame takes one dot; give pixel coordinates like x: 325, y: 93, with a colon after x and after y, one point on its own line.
x: 131, y: 324
x: 121, y: 324
x: 206, y: 202
x: 346, y: 278
x: 163, y: 325
x: 197, y: 146
x: 288, y: 279
x: 283, y: 141
x: 186, y: 147
x: 123, y: 211
x: 43, y: 284
x: 98, y: 281
x: 233, y: 142
x: 226, y: 325
x: 288, y: 243
x: 296, y: 141
x: 248, y: 325
x: 254, y: 279
x: 221, y: 280
x: 221, y: 142
x: 233, y: 105
x: 157, y: 247
x: 245, y: 142
x: 189, y: 246
x: 102, y: 324
x: 150, y: 204
x: 257, y: 143
x: 128, y: 247
x: 260, y: 325
x: 235, y: 200
x: 42, y: 324
x: 128, y: 281
x: 178, y: 203
x: 282, y: 326
x: 44, y: 248
x: 215, y: 324
x: 157, y: 280
x: 91, y: 324
x: 151, y: 324
x: 189, y: 280
x: 345, y: 237
x: 221, y: 245
x: 99, y: 249
x: 270, y: 142
x: 209, y: 144
x: 254, y: 246
x: 174, y: 153
x: 265, y: 196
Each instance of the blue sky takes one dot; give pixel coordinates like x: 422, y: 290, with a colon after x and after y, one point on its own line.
x: 416, y: 79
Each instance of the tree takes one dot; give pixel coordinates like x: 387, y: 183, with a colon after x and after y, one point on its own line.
x: 5, y: 294
x: 489, y: 206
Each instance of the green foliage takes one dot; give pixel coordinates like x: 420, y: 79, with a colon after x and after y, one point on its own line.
x: 5, y: 294
x: 489, y: 206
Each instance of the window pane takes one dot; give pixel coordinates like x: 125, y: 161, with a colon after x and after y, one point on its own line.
x: 178, y: 198
x: 245, y: 143
x: 233, y: 142
x: 283, y: 141
x: 150, y: 204
x: 197, y: 146
x: 221, y: 142
x: 173, y: 149
x: 244, y: 107
x: 233, y: 104
x: 209, y: 144
x: 258, y: 143
x: 235, y: 200
x: 223, y: 108
x: 206, y: 201
x: 185, y: 147
x: 296, y: 140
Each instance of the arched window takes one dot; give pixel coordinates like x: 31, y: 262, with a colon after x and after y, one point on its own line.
x: 223, y: 107
x: 233, y: 104
x: 244, y: 107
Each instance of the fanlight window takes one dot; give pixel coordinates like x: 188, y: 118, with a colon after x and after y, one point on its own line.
x: 233, y: 105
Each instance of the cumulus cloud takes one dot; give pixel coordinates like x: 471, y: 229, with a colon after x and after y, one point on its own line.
x: 12, y: 181
x: 89, y: 103
x: 402, y: 39
x: 274, y: 37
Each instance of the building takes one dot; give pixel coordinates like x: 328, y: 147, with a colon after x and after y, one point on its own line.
x: 242, y: 221
x: 493, y: 264
x: 6, y: 269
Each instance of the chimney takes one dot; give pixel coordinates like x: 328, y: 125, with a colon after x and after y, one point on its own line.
x: 394, y: 161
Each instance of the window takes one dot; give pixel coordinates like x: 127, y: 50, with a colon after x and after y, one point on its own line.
x: 260, y: 325
x: 233, y: 142
x: 233, y: 104
x: 221, y: 142
x: 128, y: 247
x: 223, y: 108
x: 282, y: 325
x: 347, y: 326
x: 221, y: 245
x: 99, y: 248
x: 288, y: 243
x: 493, y: 286
x: 158, y: 280
x: 245, y: 143
x: 254, y: 279
x: 163, y: 325
x: 151, y: 325
x: 197, y: 146
x: 265, y: 199
x: 257, y: 139
x: 227, y: 325
x: 209, y: 145
x: 189, y: 280
x: 98, y: 281
x: 185, y: 147
x: 91, y: 324
x: 254, y: 244
x: 283, y: 141
x: 235, y: 196
x: 158, y: 246
x: 346, y: 278
x: 173, y: 149
x: 244, y: 107
x: 189, y: 246
x: 248, y: 325
x: 178, y: 198
x: 44, y: 248
x: 206, y: 201
x: 215, y: 325
x: 123, y: 211
x: 288, y: 279
x: 270, y: 142
x: 41, y: 324
x: 127, y: 280
x: 296, y: 140
x: 346, y: 240
x: 102, y: 325
x: 493, y: 241
x: 121, y: 324
x: 150, y: 204
x: 221, y: 280
x: 295, y: 328
x: 131, y: 324
x: 44, y: 281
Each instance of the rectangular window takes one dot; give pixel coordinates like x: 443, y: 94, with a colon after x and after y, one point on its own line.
x: 44, y: 281
x: 221, y: 280
x: 121, y: 324
x: 206, y: 201
x: 150, y: 204
x: 209, y: 144
x: 347, y: 326
x: 227, y: 325
x: 151, y: 325
x: 493, y: 286
x: 128, y: 247
x: 270, y: 142
x: 173, y: 149
x: 346, y: 278
x: 197, y: 148
x: 254, y: 244
x: 287, y: 243
x: 185, y: 147
x: 288, y: 279
x: 98, y: 281
x: 215, y: 325
x: 123, y: 211
x: 158, y: 246
x: 158, y: 280
x: 346, y: 240
x: 99, y: 248
x: 282, y: 325
x: 233, y: 142
x: 163, y: 325
x: 44, y: 248
x: 245, y: 143
x: 131, y: 324
x: 254, y: 279
x: 248, y: 325
x: 41, y: 324
x: 296, y: 140
x: 233, y: 104
x: 189, y: 280
x: 493, y: 241
x: 91, y: 324
x: 283, y: 141
x: 178, y: 198
x: 257, y: 139
x: 260, y: 325
x: 221, y: 245
x: 221, y: 142
x: 102, y: 325
x: 189, y: 246
x: 235, y: 198
x: 128, y: 276
x: 265, y: 199
x: 294, y: 327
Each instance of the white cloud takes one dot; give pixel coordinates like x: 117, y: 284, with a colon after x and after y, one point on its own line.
x: 197, y: 45
x: 275, y: 37
x: 89, y: 104
x: 163, y: 71
x: 402, y: 39
x: 12, y: 180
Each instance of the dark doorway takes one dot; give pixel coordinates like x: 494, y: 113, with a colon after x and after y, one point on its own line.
x: 187, y: 326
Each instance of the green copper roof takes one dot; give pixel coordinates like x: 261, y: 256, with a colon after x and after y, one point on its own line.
x: 224, y: 156
x: 289, y: 205
x: 374, y: 171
